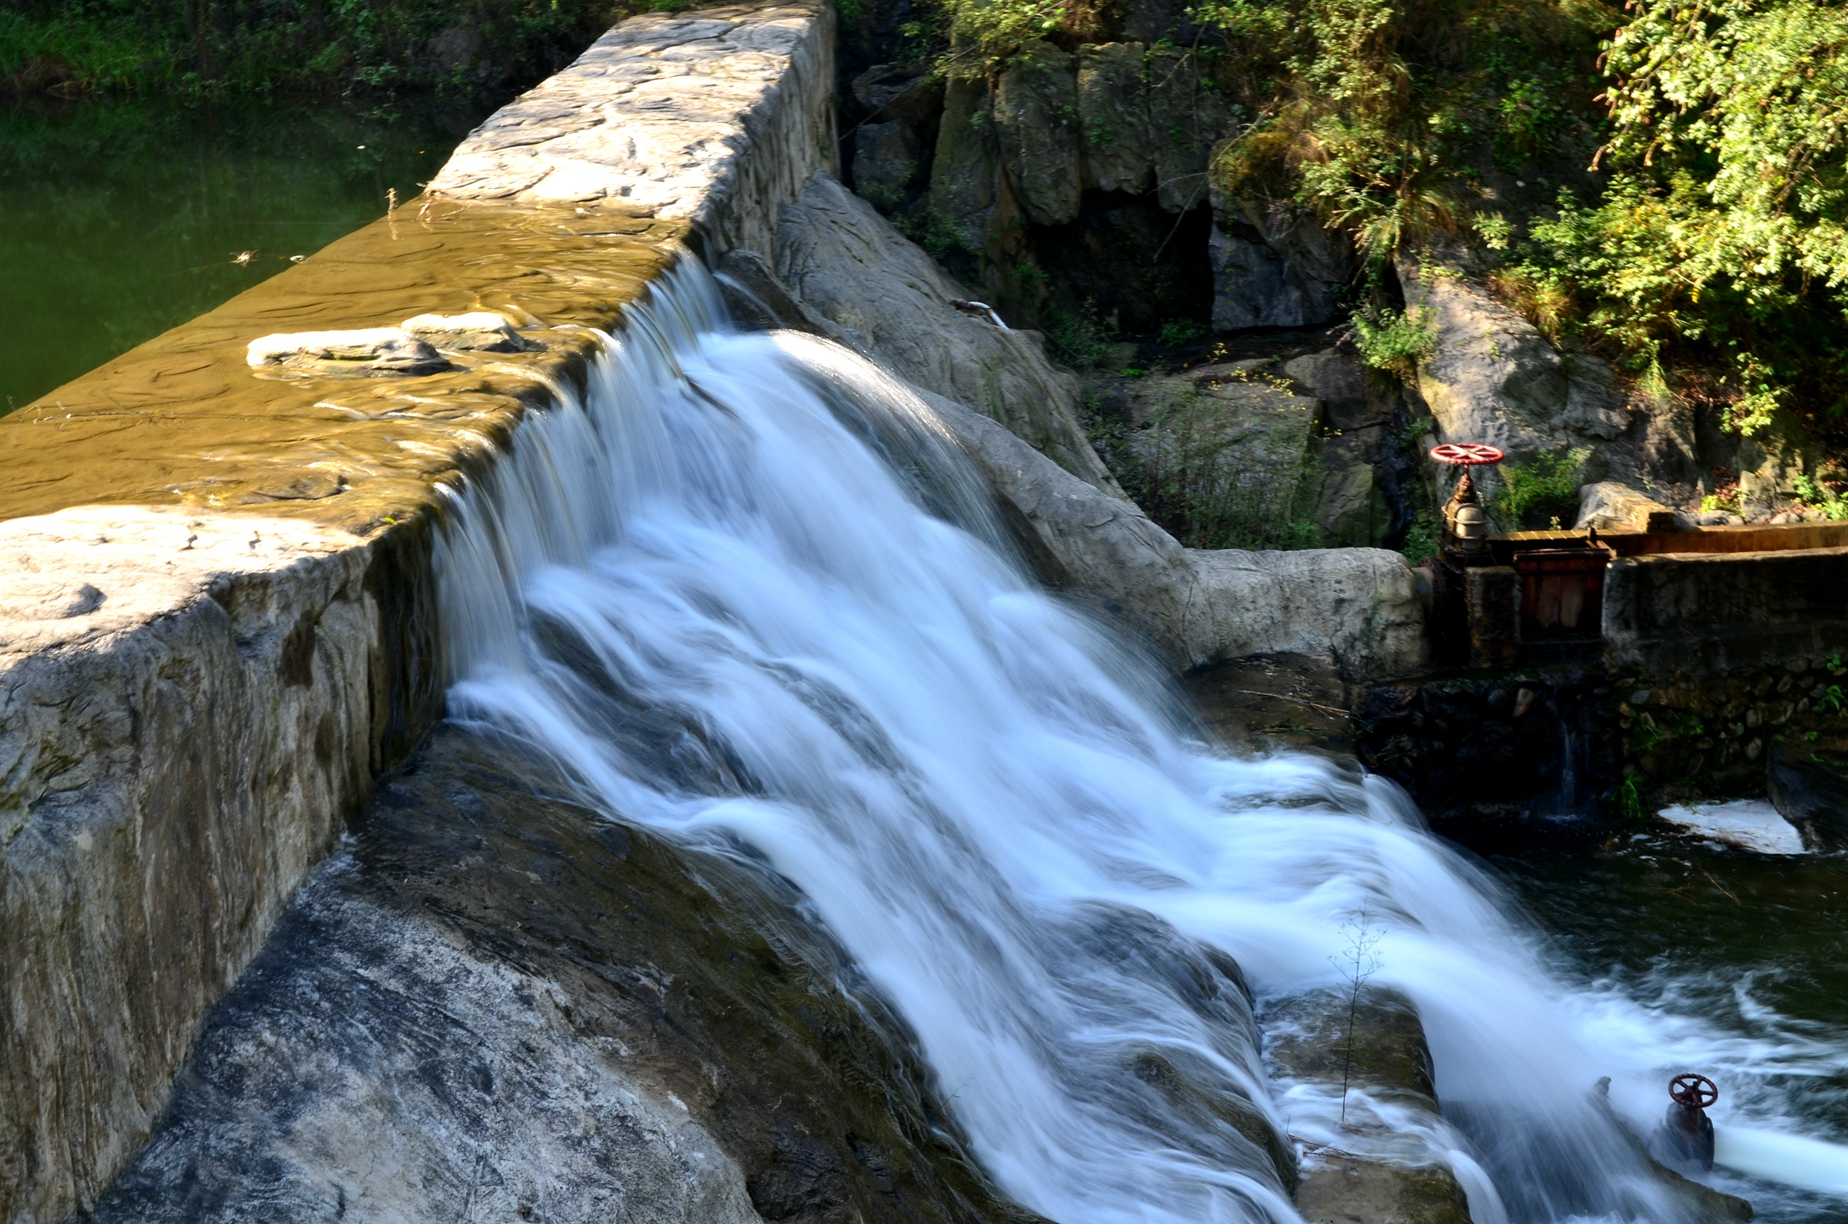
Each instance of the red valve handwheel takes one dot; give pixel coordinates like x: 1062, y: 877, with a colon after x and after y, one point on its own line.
x: 1466, y: 454
x: 1693, y: 1091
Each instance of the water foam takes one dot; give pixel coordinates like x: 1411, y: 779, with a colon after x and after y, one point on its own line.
x: 744, y: 590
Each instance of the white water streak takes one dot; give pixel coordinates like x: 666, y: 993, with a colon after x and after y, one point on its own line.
x: 731, y: 621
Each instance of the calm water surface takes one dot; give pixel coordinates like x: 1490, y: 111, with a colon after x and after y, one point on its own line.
x: 126, y: 217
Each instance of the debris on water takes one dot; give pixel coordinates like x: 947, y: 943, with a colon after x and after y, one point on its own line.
x: 1750, y: 824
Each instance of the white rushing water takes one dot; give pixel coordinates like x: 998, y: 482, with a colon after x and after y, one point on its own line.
x: 746, y: 593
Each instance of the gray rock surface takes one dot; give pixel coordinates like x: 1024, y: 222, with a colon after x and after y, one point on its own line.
x: 1491, y: 377
x: 1337, y: 378
x: 1610, y: 506
x: 1198, y: 607
x: 1274, y: 269
x: 1113, y: 118
x: 965, y: 172
x: 1596, y: 408
x: 369, y: 352
x: 848, y: 264
x: 1187, y: 118
x: 900, y: 91
x: 497, y: 1005
x: 1350, y: 507
x: 1387, y: 1172
x: 189, y: 707
x: 1037, y: 127
x: 885, y: 162
x: 710, y: 116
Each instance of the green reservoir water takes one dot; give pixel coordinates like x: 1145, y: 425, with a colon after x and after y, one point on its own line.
x: 125, y: 217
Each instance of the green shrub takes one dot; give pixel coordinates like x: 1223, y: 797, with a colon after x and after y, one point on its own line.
x: 1393, y: 340
x: 933, y: 231
x: 1543, y: 488
x: 1177, y: 332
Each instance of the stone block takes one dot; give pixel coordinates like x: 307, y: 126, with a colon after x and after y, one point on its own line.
x: 1492, y: 596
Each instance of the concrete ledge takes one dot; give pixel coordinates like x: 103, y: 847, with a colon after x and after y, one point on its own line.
x: 713, y: 117
x: 1720, y: 613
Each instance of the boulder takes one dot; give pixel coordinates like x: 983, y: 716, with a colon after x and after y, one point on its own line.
x: 900, y: 91
x: 1198, y: 606
x: 1610, y: 506
x: 1188, y: 116
x: 845, y: 261
x: 1293, y: 702
x: 967, y: 163
x: 480, y: 331
x: 1490, y: 376
x: 885, y: 162
x: 1337, y: 378
x: 1035, y: 112
x: 1382, y: 1170
x: 1350, y: 507
x: 500, y: 1005
x: 758, y: 299
x: 1274, y: 268
x: 1113, y: 118
x: 1596, y: 408
x: 1810, y: 790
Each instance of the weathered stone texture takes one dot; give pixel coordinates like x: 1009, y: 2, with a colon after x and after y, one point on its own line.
x: 1187, y: 117
x: 1036, y: 123
x: 964, y: 173
x: 1718, y: 613
x: 711, y: 116
x: 1275, y: 269
x: 1113, y: 118
x: 847, y: 263
x: 1196, y: 606
x: 189, y: 707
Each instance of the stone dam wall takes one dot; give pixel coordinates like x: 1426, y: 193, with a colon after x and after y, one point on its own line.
x: 217, y: 614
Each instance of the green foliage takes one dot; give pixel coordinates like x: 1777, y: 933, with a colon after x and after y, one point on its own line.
x: 1177, y: 332
x: 933, y: 231
x: 1421, y: 537
x: 1830, y: 502
x: 1076, y: 337
x: 1629, y: 801
x: 994, y: 28
x: 1545, y: 487
x: 1374, y: 111
x: 1394, y: 341
x: 209, y: 47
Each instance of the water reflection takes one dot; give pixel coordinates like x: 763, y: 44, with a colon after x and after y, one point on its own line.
x: 125, y: 217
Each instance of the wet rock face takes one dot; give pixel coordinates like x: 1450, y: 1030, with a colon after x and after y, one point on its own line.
x: 499, y: 1005
x: 843, y: 260
x: 1373, y: 1043
x: 1501, y: 760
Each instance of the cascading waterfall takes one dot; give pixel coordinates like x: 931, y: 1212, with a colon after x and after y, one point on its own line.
x: 746, y: 593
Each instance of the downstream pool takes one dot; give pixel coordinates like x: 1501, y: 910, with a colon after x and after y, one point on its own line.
x: 1723, y: 962
x: 125, y: 217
